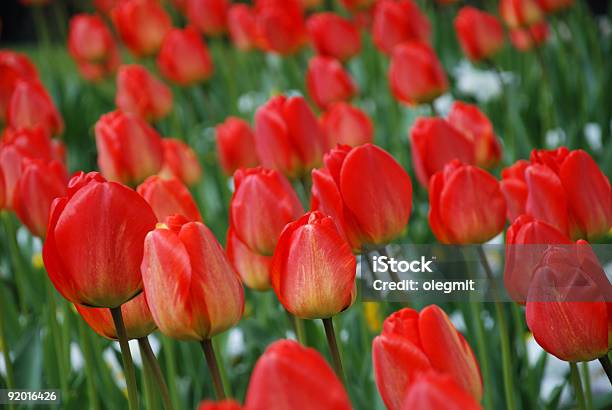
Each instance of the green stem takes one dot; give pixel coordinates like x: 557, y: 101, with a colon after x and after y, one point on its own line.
x: 8, y: 364
x: 575, y: 376
x: 483, y: 354
x: 128, y: 364
x: 432, y: 108
x: 57, y: 337
x: 89, y: 369
x: 149, y: 357
x: 213, y: 366
x: 170, y: 361
x: 19, y: 270
x: 149, y: 393
x: 607, y: 366
x: 333, y: 348
x: 588, y: 394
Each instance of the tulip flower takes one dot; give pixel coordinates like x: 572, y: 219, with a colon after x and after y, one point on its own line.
x: 235, y: 145
x: 347, y: 125
x: 413, y: 344
x: 180, y: 161
x: 520, y: 13
x: 89, y: 39
x: 140, y: 93
x: 192, y: 290
x: 397, y: 22
x: 242, y: 25
x: 313, y: 268
x: 39, y: 184
x: 568, y: 304
x: 554, y: 6
x: 524, y: 39
x: 227, y: 404
x: 10, y: 164
x: 142, y: 25
x: 34, y: 143
x: 30, y: 106
x: 105, y: 6
x: 184, y: 58
x: 94, y: 242
x: 434, y: 391
x: 136, y: 318
x: 466, y: 205
x: 366, y: 191
x: 435, y: 143
x: 13, y: 67
x: 262, y: 204
x: 480, y: 34
x: 280, y: 26
x: 296, y: 376
x: 129, y: 149
x: 169, y: 197
x: 328, y: 82
x: 2, y: 190
x: 288, y: 137
x: 514, y: 188
x: 334, y: 36
x: 475, y: 125
x: 416, y: 75
x: 208, y: 16
x: 253, y: 268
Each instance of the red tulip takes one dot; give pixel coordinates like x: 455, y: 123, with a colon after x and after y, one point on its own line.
x: 288, y: 137
x: 136, y: 318
x: 262, y: 204
x: 520, y: 13
x: 553, y: 6
x: 97, y: 71
x: 291, y: 376
x: 3, y: 201
x: 39, y: 184
x: 347, y: 125
x: 184, y: 58
x: 142, y: 25
x: 514, y: 188
x: 10, y: 164
x: 466, y: 205
x: 94, y: 242
x: 13, y: 67
x: 334, y: 36
x: 413, y: 344
x: 434, y: 391
x: 242, y: 25
x: 227, y: 404
x: 313, y: 268
x: 435, y: 143
x: 253, y: 268
x: 105, y: 6
x: 180, y: 161
x: 169, y: 197
x: 192, y: 290
x: 480, y: 34
x: 208, y: 16
x: 280, y: 26
x: 568, y: 305
x: 524, y: 39
x: 129, y: 149
x: 31, y: 106
x: 140, y: 93
x: 89, y: 39
x: 328, y: 82
x: 34, y: 143
x: 366, y: 191
x: 475, y: 125
x: 397, y: 22
x: 416, y: 75
x: 235, y: 145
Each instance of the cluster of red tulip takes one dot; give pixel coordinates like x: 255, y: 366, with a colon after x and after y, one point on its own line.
x: 129, y: 248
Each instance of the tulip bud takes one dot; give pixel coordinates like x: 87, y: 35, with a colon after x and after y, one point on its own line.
x: 554, y: 6
x: 295, y: 376
x: 136, y: 318
x: 328, y: 82
x: 129, y: 149
x: 415, y: 74
x: 242, y: 26
x: 208, y: 16
x: 514, y: 188
x: 288, y: 137
x: 227, y: 404
x: 142, y: 25
x: 169, y: 197
x: 280, y: 26
x: 434, y: 143
x: 262, y: 204
x: 39, y: 184
x: 184, y: 58
x: 89, y: 39
x: 414, y: 343
x: 2, y: 190
x: 192, y: 290
x: 31, y: 106
x: 480, y: 34
x: 94, y: 242
x: 34, y: 143
x: 10, y: 164
x: 253, y: 268
x: 475, y: 125
x: 180, y: 161
x: 235, y: 145
x: 466, y: 205
x: 140, y: 93
x: 13, y: 67
x: 524, y: 39
x: 347, y: 125
x: 334, y: 36
x: 520, y: 13
x: 434, y: 391
x: 97, y: 71
x: 366, y: 191
x: 397, y: 22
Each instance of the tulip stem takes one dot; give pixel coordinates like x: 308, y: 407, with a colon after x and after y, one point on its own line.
x: 17, y: 263
x: 8, y: 364
x: 128, y: 364
x: 588, y: 394
x: 213, y: 366
x: 149, y: 357
x: 575, y: 376
x: 333, y: 347
x: 434, y: 111
x: 607, y: 366
x: 89, y: 366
